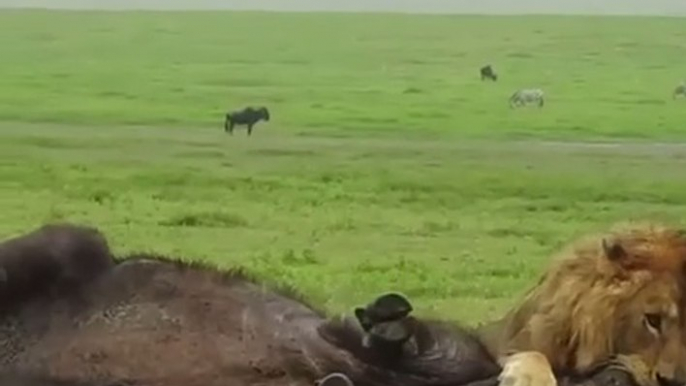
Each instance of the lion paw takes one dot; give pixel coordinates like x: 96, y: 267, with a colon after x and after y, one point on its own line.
x: 527, y: 369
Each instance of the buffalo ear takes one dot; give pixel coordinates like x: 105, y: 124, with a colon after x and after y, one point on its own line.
x: 3, y: 275
x: 614, y: 251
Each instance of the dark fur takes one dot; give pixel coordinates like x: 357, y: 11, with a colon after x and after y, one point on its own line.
x: 159, y: 321
x: 488, y: 73
x: 249, y: 116
x: 17, y: 379
x: 51, y: 259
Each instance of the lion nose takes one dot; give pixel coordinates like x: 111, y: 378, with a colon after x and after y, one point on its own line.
x: 669, y: 381
x: 668, y: 375
x: 680, y: 373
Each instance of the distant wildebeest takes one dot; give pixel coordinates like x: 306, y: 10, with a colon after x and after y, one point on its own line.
x: 525, y: 96
x: 680, y: 90
x: 488, y: 73
x: 249, y: 116
x: 151, y: 320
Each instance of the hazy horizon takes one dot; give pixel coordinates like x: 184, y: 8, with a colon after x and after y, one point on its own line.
x: 493, y: 7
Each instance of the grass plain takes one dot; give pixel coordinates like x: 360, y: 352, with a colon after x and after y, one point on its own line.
x: 388, y: 164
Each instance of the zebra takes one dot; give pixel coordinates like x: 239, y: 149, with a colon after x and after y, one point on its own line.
x: 249, y: 116
x: 488, y: 73
x: 679, y: 90
x: 522, y: 97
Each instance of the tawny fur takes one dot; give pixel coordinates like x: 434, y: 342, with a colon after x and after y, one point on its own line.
x: 588, y: 308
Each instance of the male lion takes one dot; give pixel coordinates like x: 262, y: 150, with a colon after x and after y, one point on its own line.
x: 614, y: 298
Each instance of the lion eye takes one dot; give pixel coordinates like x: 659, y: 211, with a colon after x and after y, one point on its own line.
x: 654, y: 321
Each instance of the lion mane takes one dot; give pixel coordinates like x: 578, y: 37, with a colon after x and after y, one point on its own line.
x: 617, y: 294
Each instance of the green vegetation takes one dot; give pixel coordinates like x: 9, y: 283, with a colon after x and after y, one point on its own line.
x: 345, y: 74
x: 460, y: 226
x: 388, y: 163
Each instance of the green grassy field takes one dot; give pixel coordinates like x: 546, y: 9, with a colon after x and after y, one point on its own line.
x: 346, y: 74
x: 388, y: 164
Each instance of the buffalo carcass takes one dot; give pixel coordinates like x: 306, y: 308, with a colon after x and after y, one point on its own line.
x: 150, y: 320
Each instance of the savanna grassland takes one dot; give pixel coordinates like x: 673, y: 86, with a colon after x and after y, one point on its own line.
x: 388, y: 164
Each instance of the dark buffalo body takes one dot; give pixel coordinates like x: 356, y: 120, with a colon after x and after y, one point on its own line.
x: 487, y: 72
x: 154, y: 321
x: 19, y: 379
x: 52, y: 259
x: 249, y: 116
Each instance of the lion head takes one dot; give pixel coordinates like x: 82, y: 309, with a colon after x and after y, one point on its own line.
x: 615, y: 295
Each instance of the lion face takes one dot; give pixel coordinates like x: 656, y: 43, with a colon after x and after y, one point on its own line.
x: 618, y: 296
x: 644, y: 281
x: 649, y: 324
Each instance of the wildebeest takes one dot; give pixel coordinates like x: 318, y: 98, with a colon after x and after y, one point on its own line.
x: 151, y: 320
x: 249, y: 116
x: 522, y: 97
x: 488, y: 73
x: 679, y: 90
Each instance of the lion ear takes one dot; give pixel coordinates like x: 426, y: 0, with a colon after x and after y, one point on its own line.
x: 614, y: 251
